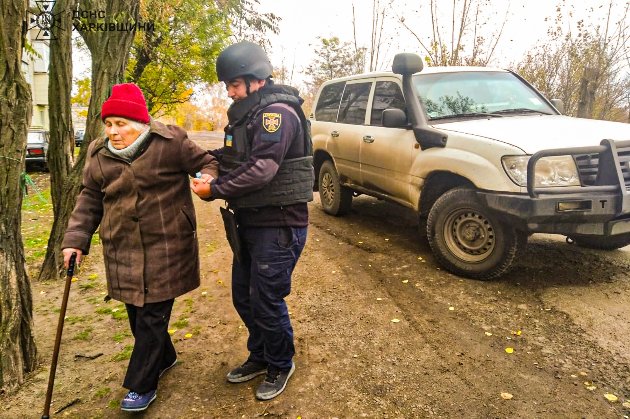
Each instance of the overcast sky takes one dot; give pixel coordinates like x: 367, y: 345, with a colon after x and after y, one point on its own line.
x: 527, y: 24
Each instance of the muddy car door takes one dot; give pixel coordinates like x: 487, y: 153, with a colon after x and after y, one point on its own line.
x: 344, y: 140
x: 387, y: 153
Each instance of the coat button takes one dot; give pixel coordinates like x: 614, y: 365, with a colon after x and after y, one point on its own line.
x: 146, y: 290
x: 135, y: 219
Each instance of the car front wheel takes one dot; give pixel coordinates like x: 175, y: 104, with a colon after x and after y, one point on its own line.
x: 336, y: 199
x: 468, y: 239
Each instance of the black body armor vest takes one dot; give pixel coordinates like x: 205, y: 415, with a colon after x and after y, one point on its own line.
x: 293, y: 183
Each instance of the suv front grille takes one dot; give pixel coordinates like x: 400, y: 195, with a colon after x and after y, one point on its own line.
x: 588, y: 166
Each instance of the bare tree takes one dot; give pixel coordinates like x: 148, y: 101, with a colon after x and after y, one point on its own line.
x: 587, y: 69
x: 18, y: 354
x: 460, y: 42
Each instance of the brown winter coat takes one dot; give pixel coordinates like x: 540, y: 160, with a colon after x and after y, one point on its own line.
x: 146, y: 215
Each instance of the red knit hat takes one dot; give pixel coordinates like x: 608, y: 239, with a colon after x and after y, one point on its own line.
x: 126, y: 101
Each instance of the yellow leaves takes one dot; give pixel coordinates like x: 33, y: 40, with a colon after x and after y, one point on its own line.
x: 188, y: 335
x: 204, y: 293
x: 405, y: 281
x: 516, y: 332
x: 626, y: 405
x: 509, y: 350
x: 506, y: 396
x: 172, y: 331
x: 611, y: 397
x: 92, y: 276
x: 451, y: 308
x: 395, y: 320
x: 488, y: 334
x: 75, y: 279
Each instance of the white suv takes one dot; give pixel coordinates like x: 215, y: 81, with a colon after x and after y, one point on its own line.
x: 477, y: 152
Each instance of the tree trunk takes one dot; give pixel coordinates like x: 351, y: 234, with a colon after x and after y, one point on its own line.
x: 109, y: 51
x: 61, y: 131
x: 18, y: 354
x: 588, y: 87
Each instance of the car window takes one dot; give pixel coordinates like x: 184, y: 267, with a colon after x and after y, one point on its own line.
x: 35, y: 137
x: 387, y: 95
x: 328, y: 102
x: 354, y: 103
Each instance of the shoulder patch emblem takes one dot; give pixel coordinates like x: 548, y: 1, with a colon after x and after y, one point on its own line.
x: 271, y: 121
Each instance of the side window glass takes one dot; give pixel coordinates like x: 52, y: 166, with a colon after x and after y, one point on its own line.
x: 328, y: 103
x: 387, y: 95
x: 354, y: 103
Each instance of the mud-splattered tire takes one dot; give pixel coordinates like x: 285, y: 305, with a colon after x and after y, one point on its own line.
x: 336, y: 199
x: 602, y: 242
x: 468, y: 239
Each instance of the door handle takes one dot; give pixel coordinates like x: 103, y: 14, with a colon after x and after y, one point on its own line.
x: 368, y: 139
x: 334, y: 134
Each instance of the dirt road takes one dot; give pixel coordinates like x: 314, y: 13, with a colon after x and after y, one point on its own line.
x: 381, y: 332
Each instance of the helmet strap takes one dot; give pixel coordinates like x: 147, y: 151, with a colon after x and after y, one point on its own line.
x: 247, y: 86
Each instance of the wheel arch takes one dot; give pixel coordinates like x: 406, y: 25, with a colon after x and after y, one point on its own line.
x: 436, y: 184
x: 319, y: 157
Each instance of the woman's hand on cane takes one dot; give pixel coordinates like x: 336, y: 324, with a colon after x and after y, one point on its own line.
x: 67, y: 252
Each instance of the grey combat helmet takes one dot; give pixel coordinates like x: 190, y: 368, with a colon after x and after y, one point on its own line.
x: 243, y: 59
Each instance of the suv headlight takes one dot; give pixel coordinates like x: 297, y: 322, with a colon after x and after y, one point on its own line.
x: 550, y: 171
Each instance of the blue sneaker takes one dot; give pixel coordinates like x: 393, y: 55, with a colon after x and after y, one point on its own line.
x: 134, y: 402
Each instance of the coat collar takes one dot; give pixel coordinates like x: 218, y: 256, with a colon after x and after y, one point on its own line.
x: 155, y: 127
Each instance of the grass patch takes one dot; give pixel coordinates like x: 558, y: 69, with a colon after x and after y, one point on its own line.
x: 120, y: 336
x: 113, y: 404
x: 118, y: 313
x: 180, y: 324
x: 102, y: 392
x: 87, y: 286
x: 83, y: 335
x: 75, y: 319
x: 124, y: 354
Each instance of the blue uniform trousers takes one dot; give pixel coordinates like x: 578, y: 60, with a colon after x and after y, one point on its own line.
x: 259, y: 285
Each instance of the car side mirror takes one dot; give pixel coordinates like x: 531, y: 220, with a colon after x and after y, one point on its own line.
x: 395, y: 118
x: 558, y: 104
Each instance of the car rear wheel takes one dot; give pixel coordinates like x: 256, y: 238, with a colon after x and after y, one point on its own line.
x: 468, y: 239
x: 602, y: 242
x: 336, y: 199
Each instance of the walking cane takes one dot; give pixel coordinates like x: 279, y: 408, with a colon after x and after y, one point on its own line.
x: 62, y: 315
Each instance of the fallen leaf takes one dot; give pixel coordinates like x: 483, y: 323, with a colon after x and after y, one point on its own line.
x: 419, y: 258
x: 509, y: 350
x: 386, y: 240
x: 360, y: 242
x: 172, y: 331
x: 405, y: 281
x: 610, y: 397
x: 451, y: 308
x: 379, y: 299
x: 75, y: 279
x: 204, y: 293
x: 626, y: 405
x: 506, y: 396
x: 516, y: 332
x: 93, y: 276
x: 395, y: 321
x: 590, y: 388
x: 187, y: 335
x: 488, y: 334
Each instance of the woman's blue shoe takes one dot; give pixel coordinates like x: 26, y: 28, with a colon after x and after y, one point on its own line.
x: 134, y: 402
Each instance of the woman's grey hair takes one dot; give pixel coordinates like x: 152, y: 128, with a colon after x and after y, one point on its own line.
x: 138, y: 126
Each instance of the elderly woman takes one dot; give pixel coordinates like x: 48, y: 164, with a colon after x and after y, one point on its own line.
x: 136, y: 186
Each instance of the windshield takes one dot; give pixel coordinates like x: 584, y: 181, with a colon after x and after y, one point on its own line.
x: 35, y: 137
x: 448, y: 95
